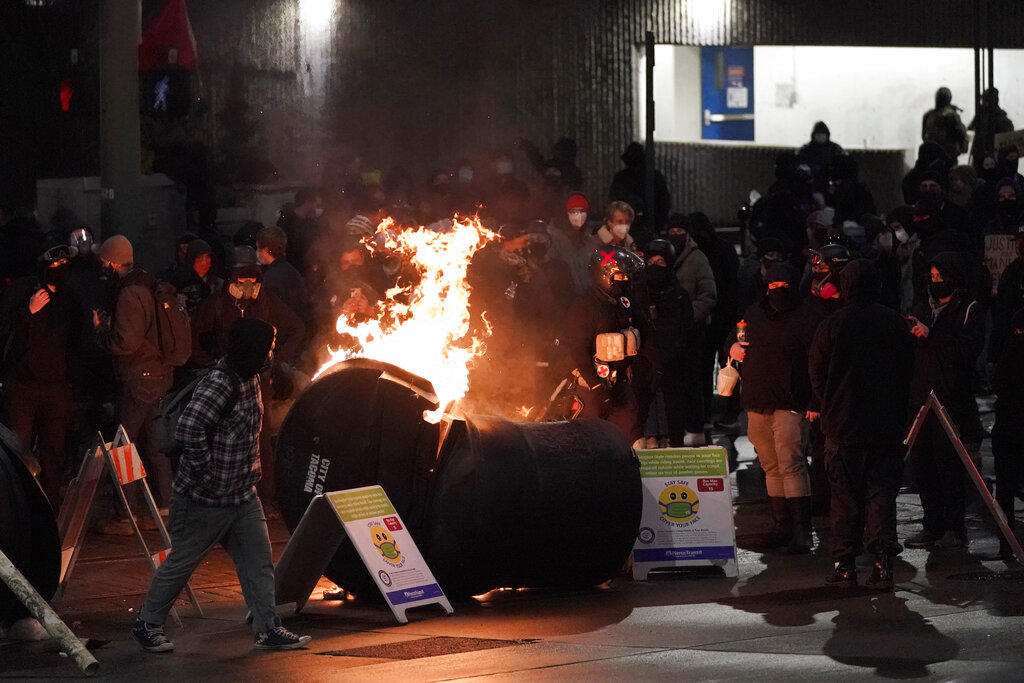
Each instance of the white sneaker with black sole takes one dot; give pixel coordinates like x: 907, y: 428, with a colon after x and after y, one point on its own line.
x: 280, y: 639
x: 151, y: 637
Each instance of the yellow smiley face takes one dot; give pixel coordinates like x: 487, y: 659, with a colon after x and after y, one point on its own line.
x: 385, y: 544
x: 678, y: 503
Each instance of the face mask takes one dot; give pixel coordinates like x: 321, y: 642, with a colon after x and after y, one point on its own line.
x: 678, y: 241
x: 577, y: 218
x: 658, y: 275
x: 778, y: 299
x: 884, y: 241
x: 619, y: 230
x: 901, y: 235
x: 504, y: 168
x: 388, y: 550
x: 679, y: 509
x: 820, y: 138
x: 465, y: 175
x: 940, y: 290
x: 244, y: 290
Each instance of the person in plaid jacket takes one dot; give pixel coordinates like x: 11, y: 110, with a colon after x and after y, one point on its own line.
x: 214, y: 495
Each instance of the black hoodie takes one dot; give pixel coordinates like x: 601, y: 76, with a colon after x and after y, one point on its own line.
x: 860, y: 363
x: 944, y: 361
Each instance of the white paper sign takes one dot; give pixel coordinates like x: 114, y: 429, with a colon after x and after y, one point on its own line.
x: 387, y: 549
x: 737, y: 98
x: 687, y: 515
x: 1000, y: 251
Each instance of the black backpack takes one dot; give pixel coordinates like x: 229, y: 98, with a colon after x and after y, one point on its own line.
x: 173, y: 405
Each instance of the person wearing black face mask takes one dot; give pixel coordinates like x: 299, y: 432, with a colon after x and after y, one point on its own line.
x: 776, y: 396
x: 215, y: 499
x: 1008, y: 300
x: 949, y: 331
x: 41, y: 328
x: 935, y: 237
x: 671, y: 319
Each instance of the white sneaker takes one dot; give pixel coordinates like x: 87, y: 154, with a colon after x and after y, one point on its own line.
x: 693, y: 439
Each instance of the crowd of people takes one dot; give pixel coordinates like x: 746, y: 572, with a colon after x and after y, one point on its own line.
x: 846, y: 319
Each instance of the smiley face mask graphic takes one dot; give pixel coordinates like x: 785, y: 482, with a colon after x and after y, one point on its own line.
x: 678, y: 503
x: 386, y: 545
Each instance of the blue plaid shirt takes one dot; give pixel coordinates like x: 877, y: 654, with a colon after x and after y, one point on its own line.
x: 220, y: 463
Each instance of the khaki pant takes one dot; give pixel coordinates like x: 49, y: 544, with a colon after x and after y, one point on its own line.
x: 777, y: 437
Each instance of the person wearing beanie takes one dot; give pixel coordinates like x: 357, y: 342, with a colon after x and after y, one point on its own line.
x: 573, y: 241
x: 195, y: 279
x: 143, y: 376
x: 215, y: 499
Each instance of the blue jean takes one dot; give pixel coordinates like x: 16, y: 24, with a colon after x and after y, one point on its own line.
x: 195, y: 530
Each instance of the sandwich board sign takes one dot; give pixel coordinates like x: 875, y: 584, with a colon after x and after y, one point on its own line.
x: 687, y: 517
x: 367, y: 518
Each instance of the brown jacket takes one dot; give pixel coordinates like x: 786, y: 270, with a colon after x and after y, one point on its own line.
x: 131, y: 338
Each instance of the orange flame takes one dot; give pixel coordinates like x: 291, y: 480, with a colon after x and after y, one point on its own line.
x: 425, y: 327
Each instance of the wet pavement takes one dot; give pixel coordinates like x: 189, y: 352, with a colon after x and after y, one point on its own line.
x: 952, y: 615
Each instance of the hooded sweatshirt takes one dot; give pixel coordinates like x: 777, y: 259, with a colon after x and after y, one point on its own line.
x: 860, y: 365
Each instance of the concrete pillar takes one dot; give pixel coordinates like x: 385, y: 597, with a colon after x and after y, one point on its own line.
x: 120, y: 153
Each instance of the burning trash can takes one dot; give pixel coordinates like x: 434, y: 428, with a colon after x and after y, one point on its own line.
x: 491, y: 503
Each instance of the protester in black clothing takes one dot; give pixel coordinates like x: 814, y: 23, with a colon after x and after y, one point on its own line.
x: 950, y: 333
x: 628, y: 186
x: 603, y: 348
x: 990, y: 120
x: 195, y: 279
x: 670, y: 313
x: 300, y: 221
x: 782, y: 213
x: 882, y: 243
x: 21, y: 243
x: 1008, y: 213
x: 942, y: 125
x: 776, y: 396
x: 1008, y: 300
x: 563, y: 160
x: 930, y: 159
x: 507, y: 195
x: 725, y: 266
x: 820, y: 154
x: 850, y: 197
x: 280, y: 277
x: 935, y: 238
x: 1008, y: 431
x: 41, y: 328
x: 860, y: 364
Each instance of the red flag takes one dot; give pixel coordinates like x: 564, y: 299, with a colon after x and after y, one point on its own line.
x: 171, y: 29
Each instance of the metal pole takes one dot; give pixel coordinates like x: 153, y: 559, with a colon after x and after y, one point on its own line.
x: 649, y: 199
x: 988, y: 41
x: 37, y: 606
x: 977, y: 60
x: 120, y: 153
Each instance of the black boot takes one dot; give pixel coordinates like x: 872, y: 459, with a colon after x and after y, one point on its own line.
x: 781, y: 531
x: 801, y: 542
x: 881, y: 574
x: 845, y: 574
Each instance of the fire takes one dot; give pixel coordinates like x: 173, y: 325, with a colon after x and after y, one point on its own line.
x: 424, y: 327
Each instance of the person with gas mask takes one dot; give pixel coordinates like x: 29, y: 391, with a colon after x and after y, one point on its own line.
x: 41, y: 331
x: 949, y: 333
x: 215, y: 498
x: 607, y: 332
x: 1008, y: 430
x: 860, y: 365
x: 820, y: 154
x: 618, y: 219
x: 573, y: 241
x: 670, y: 314
x: 1008, y: 300
x: 243, y: 296
x: 776, y: 396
